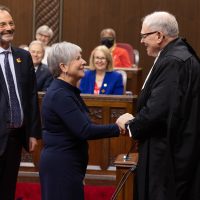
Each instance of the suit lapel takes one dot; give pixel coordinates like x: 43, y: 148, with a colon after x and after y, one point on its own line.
x: 39, y: 71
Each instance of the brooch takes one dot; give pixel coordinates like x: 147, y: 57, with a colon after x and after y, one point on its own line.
x: 102, y: 91
x: 18, y: 60
x: 105, y: 85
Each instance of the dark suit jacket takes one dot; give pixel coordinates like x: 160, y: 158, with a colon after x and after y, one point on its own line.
x: 43, y: 77
x: 112, y: 83
x: 26, y: 82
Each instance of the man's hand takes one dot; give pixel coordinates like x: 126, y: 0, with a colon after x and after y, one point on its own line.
x: 121, y: 121
x: 32, y: 144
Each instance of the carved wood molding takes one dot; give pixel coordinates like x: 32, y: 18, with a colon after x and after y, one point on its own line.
x: 48, y: 12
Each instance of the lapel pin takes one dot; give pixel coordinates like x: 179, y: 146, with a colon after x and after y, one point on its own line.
x: 18, y: 60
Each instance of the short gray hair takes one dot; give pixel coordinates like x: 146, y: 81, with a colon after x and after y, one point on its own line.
x: 62, y: 52
x: 46, y: 30
x: 37, y: 42
x: 162, y: 21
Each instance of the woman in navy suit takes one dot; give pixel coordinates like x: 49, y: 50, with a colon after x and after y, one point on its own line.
x: 67, y: 127
x: 101, y: 79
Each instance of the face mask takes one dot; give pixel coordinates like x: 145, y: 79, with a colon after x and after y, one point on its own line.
x: 108, y: 42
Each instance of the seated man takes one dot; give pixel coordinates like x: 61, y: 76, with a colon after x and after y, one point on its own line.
x: 43, y: 74
x: 120, y: 55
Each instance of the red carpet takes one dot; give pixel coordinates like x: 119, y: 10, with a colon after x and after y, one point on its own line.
x: 31, y: 191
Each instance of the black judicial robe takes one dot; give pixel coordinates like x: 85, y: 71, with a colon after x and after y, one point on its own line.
x: 167, y: 126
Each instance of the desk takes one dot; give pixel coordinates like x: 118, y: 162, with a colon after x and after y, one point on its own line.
x: 127, y: 192
x: 134, y: 79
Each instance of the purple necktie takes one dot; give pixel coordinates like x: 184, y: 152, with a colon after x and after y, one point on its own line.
x: 14, y: 107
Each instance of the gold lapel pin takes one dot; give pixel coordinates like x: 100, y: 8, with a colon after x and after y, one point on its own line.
x: 18, y: 60
x: 103, y: 91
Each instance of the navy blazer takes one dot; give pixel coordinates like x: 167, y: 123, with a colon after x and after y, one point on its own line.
x: 112, y: 83
x: 26, y: 82
x: 44, y: 77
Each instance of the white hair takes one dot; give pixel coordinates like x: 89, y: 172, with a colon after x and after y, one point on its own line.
x: 62, y: 52
x: 46, y: 30
x: 162, y: 21
x: 37, y: 42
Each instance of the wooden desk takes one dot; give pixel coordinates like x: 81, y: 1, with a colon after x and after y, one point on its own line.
x: 134, y: 79
x: 122, y: 165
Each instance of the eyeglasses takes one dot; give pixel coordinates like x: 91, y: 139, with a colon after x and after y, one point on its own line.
x: 100, y: 58
x: 144, y: 35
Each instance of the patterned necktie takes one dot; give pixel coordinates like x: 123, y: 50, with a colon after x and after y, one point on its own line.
x: 14, y: 108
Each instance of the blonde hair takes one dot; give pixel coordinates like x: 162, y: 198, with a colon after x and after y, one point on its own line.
x: 107, y: 54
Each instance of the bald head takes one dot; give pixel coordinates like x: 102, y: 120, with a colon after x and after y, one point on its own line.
x: 108, y: 32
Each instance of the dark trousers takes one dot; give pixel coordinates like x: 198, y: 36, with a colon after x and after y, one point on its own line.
x: 9, y: 165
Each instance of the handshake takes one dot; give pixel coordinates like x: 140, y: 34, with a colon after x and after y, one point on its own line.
x: 122, y: 120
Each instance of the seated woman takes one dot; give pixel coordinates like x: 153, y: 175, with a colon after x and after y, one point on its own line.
x: 101, y: 79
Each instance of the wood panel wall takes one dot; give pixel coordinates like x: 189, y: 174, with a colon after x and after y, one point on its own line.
x: 82, y: 21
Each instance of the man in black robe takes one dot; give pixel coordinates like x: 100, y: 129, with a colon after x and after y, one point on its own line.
x: 167, y: 122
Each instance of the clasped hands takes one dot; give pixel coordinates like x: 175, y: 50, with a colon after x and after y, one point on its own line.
x: 122, y: 120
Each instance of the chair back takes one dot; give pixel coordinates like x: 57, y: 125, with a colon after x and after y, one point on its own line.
x: 124, y: 78
x: 133, y: 53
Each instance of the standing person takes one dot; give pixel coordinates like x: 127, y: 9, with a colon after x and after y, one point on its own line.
x: 168, y: 115
x: 19, y: 115
x: 44, y: 34
x: 101, y: 79
x: 120, y: 56
x: 67, y: 127
x: 43, y: 75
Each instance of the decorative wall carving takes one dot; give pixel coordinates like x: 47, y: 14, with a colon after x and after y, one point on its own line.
x: 48, y: 12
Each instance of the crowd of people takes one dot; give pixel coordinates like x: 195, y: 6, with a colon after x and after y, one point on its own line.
x: 100, y: 77
x: 166, y: 123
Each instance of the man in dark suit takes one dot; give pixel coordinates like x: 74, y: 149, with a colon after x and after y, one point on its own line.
x: 43, y: 74
x: 19, y: 113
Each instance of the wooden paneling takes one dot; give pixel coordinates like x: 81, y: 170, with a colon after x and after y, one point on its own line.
x: 105, y: 109
x: 22, y: 13
x: 83, y: 20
